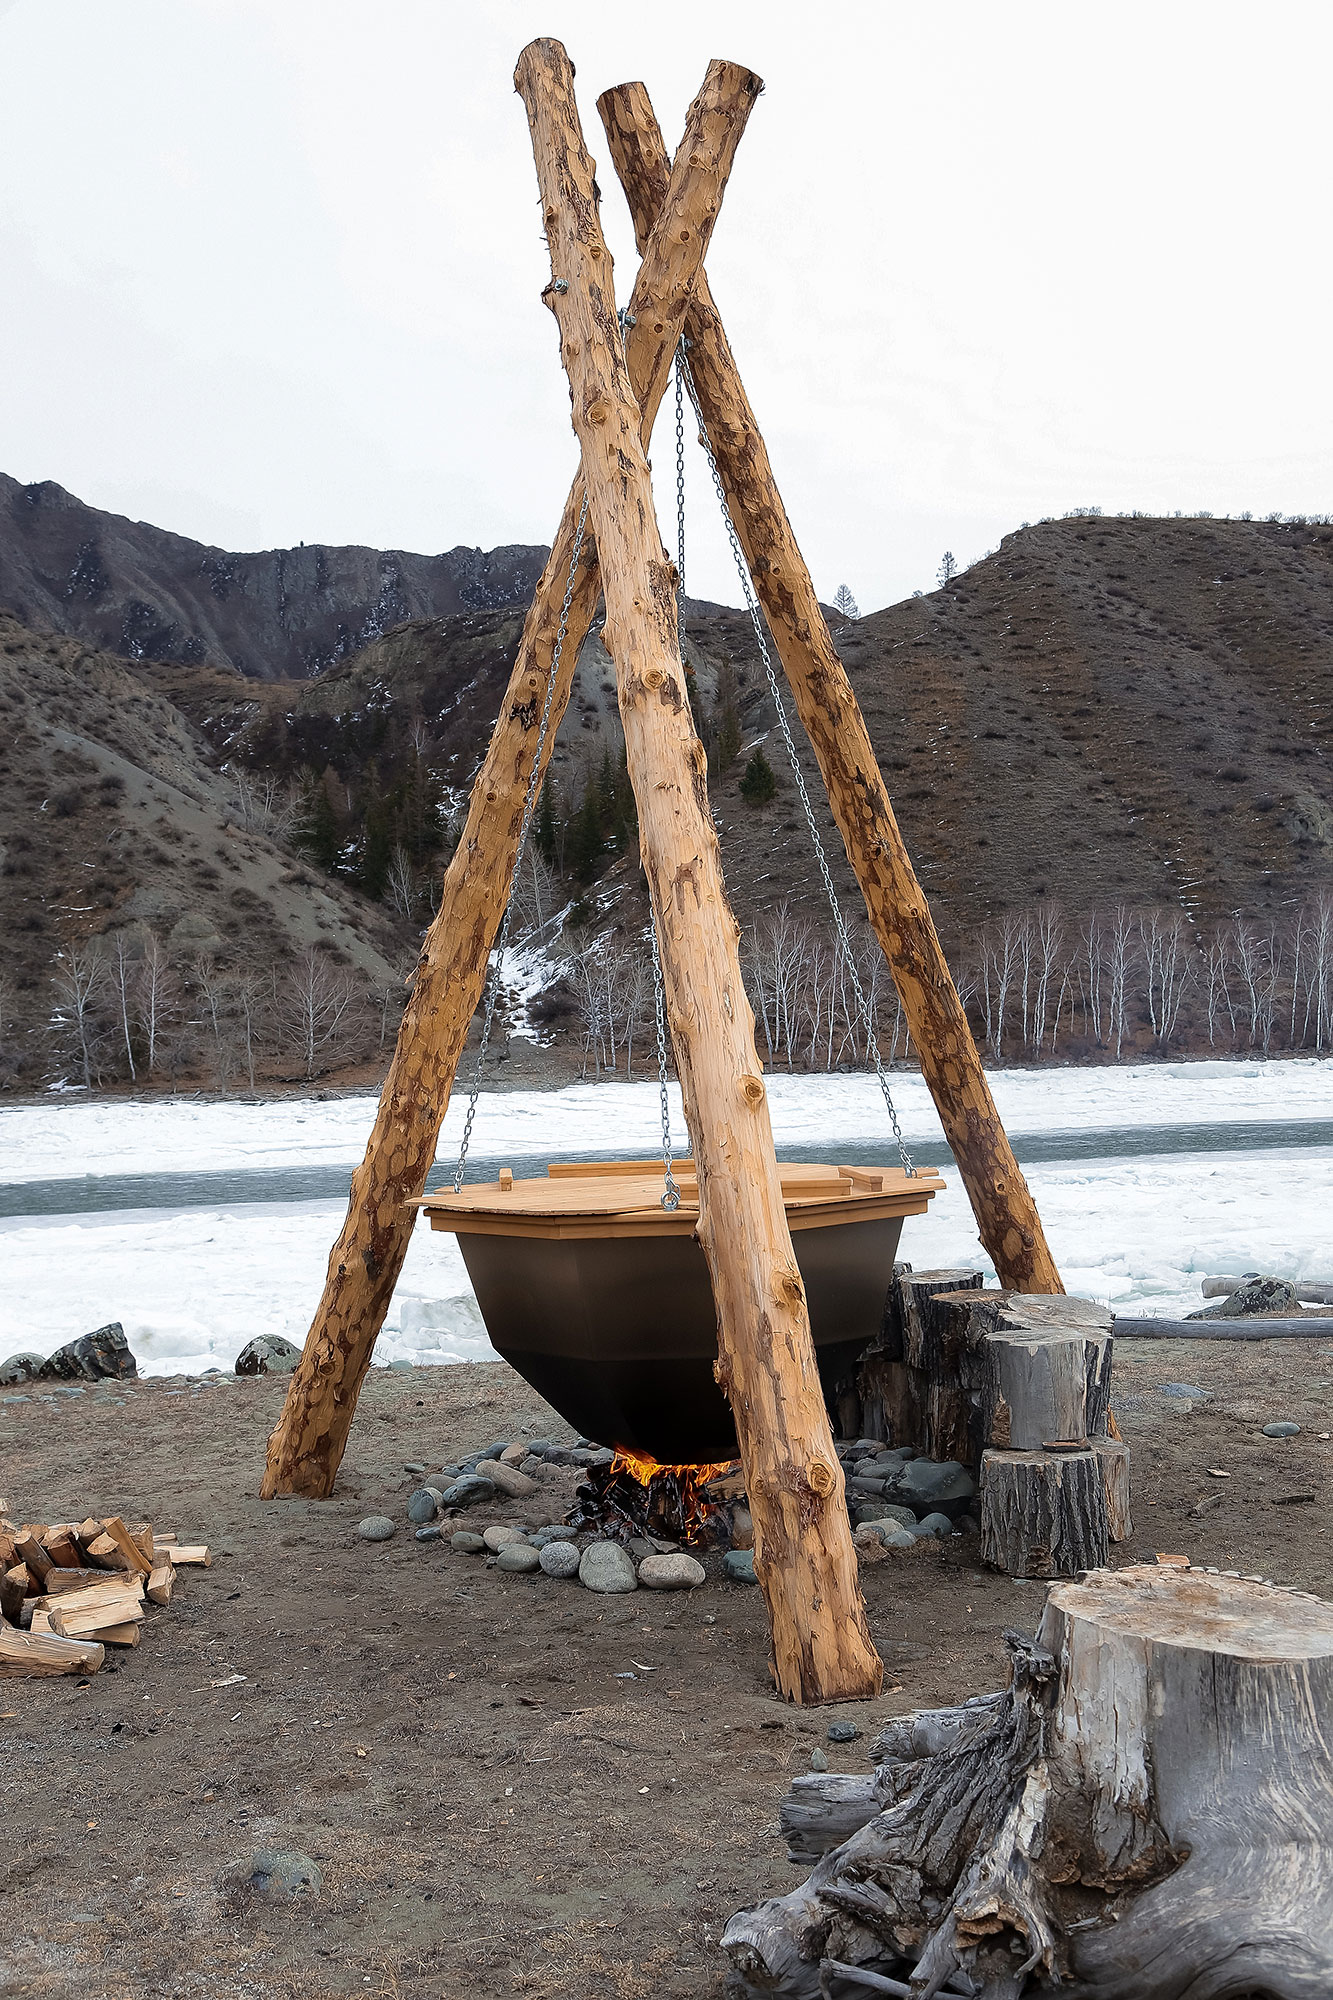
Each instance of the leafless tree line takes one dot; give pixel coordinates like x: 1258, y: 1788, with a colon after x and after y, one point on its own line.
x: 1041, y: 979
x: 127, y: 1008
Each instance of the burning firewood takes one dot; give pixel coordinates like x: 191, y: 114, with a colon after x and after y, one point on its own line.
x: 68, y: 1588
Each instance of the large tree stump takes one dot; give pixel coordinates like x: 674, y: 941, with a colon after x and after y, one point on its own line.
x: 1146, y: 1814
x: 804, y: 1558
x: 1043, y: 1513
x: 892, y: 1380
x: 307, y: 1445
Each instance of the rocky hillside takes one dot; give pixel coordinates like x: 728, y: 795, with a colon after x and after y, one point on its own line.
x: 146, y: 919
x: 280, y: 614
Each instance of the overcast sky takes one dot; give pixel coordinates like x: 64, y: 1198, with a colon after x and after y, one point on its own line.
x: 271, y: 267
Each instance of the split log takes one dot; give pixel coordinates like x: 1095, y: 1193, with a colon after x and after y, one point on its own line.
x: 190, y: 1555
x: 1316, y: 1327
x: 163, y: 1579
x: 307, y: 1446
x: 43, y: 1653
x: 1146, y: 1813
x: 38, y: 1621
x: 1006, y: 1214
x: 1043, y: 1513
x: 110, y: 1591
x: 32, y: 1555
x: 1113, y: 1459
x: 132, y: 1556
x: 804, y: 1558
x: 95, y: 1620
x: 62, y: 1548
x: 60, y: 1580
x: 14, y: 1586
x: 106, y: 1552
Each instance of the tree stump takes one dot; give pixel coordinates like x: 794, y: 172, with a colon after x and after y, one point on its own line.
x: 1041, y: 1385
x: 1113, y: 1459
x: 1043, y: 1513
x: 893, y: 1378
x: 1145, y: 1814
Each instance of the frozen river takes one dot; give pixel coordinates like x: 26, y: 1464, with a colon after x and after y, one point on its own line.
x: 199, y: 1224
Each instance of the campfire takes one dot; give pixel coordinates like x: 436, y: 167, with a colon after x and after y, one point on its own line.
x: 691, y: 1506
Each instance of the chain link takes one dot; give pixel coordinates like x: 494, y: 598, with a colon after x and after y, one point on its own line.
x: 789, y: 743
x: 671, y: 1195
x: 495, y: 965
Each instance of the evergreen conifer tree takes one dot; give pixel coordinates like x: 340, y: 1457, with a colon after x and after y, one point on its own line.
x: 758, y: 785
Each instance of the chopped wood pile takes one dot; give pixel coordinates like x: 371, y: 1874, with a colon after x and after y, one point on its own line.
x: 69, y: 1589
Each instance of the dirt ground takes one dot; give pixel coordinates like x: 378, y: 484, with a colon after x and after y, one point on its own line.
x: 496, y: 1808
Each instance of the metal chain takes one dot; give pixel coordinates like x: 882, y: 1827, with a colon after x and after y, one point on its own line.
x: 671, y: 1195
x: 680, y: 483
x: 495, y: 964
x: 789, y: 743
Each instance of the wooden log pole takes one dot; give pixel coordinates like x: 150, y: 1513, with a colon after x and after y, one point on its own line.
x: 804, y: 1557
x: 1006, y: 1214
x: 307, y: 1445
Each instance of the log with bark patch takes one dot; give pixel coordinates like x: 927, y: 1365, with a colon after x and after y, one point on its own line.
x: 804, y: 1558
x: 307, y: 1446
x: 1145, y: 1814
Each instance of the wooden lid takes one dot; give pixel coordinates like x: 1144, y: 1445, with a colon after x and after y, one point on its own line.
x: 624, y: 1198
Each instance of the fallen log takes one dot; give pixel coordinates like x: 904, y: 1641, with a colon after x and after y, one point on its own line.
x: 1317, y: 1327
x: 44, y: 1653
x: 1146, y: 1813
x: 1310, y: 1291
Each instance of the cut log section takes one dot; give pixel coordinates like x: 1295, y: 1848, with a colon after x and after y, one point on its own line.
x: 44, y: 1653
x: 1113, y: 1458
x: 1041, y: 1386
x: 1147, y: 1813
x: 163, y: 1579
x: 1043, y: 1513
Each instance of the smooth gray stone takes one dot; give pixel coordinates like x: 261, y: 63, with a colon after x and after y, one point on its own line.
x: 498, y: 1537
x: 926, y: 1482
x: 431, y: 1534
x: 818, y: 1761
x: 375, y: 1528
x: 468, y: 1491
x: 423, y: 1505
x: 892, y: 1533
x: 270, y: 1873
x: 884, y: 1510
x: 1282, y: 1430
x: 677, y: 1572
x: 843, y: 1732
x: 414, y: 1467
x: 518, y: 1558
x: 605, y: 1566
x: 738, y: 1564
x: 559, y: 1559
x: 1183, y: 1389
x: 938, y: 1525
x: 467, y: 1543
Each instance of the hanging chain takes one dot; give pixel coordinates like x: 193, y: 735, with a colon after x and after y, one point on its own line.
x: 680, y: 486
x: 789, y: 743
x: 529, y: 805
x: 671, y: 1195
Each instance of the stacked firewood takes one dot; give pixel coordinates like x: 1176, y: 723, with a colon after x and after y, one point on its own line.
x: 70, y: 1588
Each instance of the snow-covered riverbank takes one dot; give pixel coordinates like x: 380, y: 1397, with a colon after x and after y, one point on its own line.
x: 192, y: 1285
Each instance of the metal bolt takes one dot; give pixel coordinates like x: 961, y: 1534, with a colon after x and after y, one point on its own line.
x: 559, y: 284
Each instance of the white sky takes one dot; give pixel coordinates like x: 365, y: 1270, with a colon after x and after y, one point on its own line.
x: 271, y: 267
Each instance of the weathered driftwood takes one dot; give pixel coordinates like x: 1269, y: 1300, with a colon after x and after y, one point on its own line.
x: 307, y: 1446
x: 1006, y: 1214
x: 1316, y: 1327
x: 1146, y: 1814
x: 1043, y: 1513
x: 804, y: 1558
x: 1310, y: 1291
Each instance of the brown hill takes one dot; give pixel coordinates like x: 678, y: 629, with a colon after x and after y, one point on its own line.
x: 116, y: 827
x: 141, y: 592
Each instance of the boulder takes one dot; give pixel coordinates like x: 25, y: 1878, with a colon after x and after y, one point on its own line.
x: 518, y: 1557
x: 605, y: 1566
x: 560, y: 1559
x: 507, y: 1478
x: 1255, y: 1295
x: 270, y: 1875
x: 20, y: 1368
x: 677, y: 1572
x: 927, y: 1485
x: 267, y: 1354
x: 94, y: 1357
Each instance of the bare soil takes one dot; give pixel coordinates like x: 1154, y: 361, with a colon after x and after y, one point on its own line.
x: 497, y: 1808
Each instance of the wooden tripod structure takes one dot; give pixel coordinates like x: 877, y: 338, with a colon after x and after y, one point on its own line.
x: 803, y: 1551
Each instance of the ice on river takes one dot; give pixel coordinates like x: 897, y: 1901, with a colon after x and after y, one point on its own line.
x: 191, y: 1286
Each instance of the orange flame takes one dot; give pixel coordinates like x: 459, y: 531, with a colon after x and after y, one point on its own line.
x: 642, y: 1468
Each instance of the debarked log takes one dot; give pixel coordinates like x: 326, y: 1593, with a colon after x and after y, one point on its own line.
x: 1145, y: 1814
